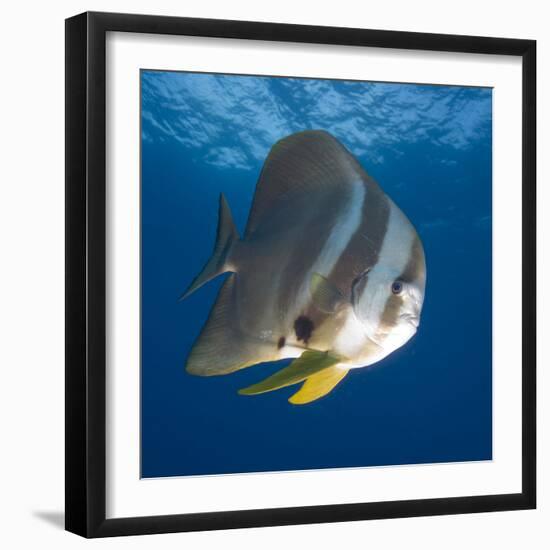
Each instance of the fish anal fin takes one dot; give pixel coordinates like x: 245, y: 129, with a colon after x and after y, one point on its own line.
x: 318, y: 385
x: 325, y: 295
x: 309, y: 363
x: 222, y: 348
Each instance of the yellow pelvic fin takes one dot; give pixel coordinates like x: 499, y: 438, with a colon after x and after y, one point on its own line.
x: 318, y: 385
x: 309, y: 363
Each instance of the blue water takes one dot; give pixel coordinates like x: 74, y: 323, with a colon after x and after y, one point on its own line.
x: 430, y: 149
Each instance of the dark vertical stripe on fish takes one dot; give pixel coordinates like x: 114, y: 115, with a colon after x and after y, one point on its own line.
x: 416, y: 266
x: 364, y: 247
x: 412, y: 271
x: 361, y: 252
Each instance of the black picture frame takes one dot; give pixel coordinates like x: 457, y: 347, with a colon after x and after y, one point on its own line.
x: 86, y: 275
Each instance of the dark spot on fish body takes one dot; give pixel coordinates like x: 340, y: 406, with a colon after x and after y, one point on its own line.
x: 281, y: 342
x: 303, y: 327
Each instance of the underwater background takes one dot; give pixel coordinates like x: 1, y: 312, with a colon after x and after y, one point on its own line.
x: 430, y: 148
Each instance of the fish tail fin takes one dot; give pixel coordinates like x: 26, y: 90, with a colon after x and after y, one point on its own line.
x: 220, y: 261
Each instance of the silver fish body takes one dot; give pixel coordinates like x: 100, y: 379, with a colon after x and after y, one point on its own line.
x: 329, y: 271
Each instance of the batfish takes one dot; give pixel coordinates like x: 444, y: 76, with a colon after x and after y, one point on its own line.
x: 329, y: 272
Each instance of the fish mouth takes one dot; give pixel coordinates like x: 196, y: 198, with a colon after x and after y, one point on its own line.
x: 408, y: 324
x: 368, y: 330
x: 412, y: 320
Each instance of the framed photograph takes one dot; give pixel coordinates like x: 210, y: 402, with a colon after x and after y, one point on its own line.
x: 300, y: 280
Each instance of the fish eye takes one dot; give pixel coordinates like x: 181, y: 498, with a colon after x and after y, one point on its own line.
x: 397, y: 287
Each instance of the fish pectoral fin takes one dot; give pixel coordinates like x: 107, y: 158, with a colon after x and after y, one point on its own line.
x: 325, y: 295
x: 308, y: 364
x: 318, y: 385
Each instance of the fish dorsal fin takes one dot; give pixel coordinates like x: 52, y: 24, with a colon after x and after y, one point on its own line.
x: 318, y: 385
x: 221, y: 347
x: 302, y: 162
x: 301, y: 368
